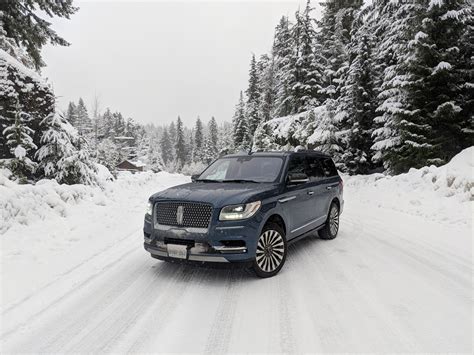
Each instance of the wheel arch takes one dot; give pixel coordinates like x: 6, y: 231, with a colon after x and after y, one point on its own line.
x: 336, y: 200
x: 277, y: 219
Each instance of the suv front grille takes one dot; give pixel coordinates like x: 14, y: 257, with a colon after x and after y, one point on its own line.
x: 192, y: 214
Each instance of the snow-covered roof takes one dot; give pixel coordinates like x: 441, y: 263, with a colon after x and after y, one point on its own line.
x: 138, y: 164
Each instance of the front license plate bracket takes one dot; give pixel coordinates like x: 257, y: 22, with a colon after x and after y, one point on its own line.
x: 177, y: 251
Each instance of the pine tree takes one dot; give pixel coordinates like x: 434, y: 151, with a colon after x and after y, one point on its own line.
x: 107, y: 128
x: 108, y: 154
x: 83, y: 122
x: 58, y: 158
x: 209, y: 153
x: 325, y: 136
x: 394, y: 24
x: 332, y: 41
x: 442, y: 53
x: 97, y: 123
x: 155, y: 161
x: 213, y: 139
x: 78, y: 167
x: 166, y: 147
x: 423, y: 116
x: 118, y: 125
x: 23, y: 23
x: 10, y: 46
x: 180, y: 145
x: 267, y: 87
x: 18, y: 138
x: 172, y: 135
x: 284, y: 58
x: 71, y: 113
x: 241, y: 138
x: 466, y: 69
x: 55, y: 145
x: 198, y: 142
x: 356, y: 106
x: 308, y: 72
x: 253, y: 98
x: 225, y: 142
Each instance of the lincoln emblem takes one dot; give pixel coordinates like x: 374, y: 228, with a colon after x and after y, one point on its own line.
x: 179, y: 215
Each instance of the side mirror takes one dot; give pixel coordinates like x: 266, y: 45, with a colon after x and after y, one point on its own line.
x: 298, y: 178
x: 194, y: 177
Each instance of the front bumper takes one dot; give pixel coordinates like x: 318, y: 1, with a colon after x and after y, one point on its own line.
x: 222, y: 242
x: 161, y: 254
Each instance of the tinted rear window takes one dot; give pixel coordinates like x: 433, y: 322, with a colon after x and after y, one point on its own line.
x: 328, y: 167
x: 315, y: 169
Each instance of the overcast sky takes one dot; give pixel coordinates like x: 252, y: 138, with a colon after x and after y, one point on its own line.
x: 155, y: 60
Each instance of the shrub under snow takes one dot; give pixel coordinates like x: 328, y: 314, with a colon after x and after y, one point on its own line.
x: 26, y: 204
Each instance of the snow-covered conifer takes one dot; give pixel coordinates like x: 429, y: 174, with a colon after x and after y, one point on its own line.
x: 59, y: 156
x: 308, y: 71
x: 213, y: 138
x: 267, y: 87
x: 334, y: 30
x: 108, y: 153
x: 180, y: 145
x: 18, y: 138
x: 166, y: 147
x: 71, y: 113
x: 83, y: 122
x: 284, y: 60
x: 24, y: 24
x: 357, y: 103
x: 241, y: 136
x: 198, y: 141
x: 253, y: 98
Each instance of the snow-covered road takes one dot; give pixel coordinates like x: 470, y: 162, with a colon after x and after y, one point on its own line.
x: 391, y: 281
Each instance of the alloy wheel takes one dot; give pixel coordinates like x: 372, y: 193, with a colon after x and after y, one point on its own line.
x: 270, y: 250
x: 334, y: 220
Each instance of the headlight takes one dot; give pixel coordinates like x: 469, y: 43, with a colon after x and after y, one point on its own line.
x: 149, y: 208
x: 236, y: 212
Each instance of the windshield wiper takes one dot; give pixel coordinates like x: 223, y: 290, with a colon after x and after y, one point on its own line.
x: 240, y: 180
x: 207, y: 180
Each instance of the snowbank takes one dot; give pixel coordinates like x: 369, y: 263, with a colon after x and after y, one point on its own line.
x: 27, y: 204
x: 47, y: 230
x: 441, y: 193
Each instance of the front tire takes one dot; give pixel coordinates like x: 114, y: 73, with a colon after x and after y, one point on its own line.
x: 331, y: 227
x: 271, y: 251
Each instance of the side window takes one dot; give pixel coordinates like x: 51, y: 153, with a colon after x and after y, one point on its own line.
x: 328, y: 167
x: 297, y: 165
x: 315, y: 170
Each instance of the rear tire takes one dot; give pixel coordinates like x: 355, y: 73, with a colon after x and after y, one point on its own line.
x: 331, y: 227
x: 271, y: 251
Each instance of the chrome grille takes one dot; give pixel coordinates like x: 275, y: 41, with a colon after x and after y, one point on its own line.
x: 191, y: 214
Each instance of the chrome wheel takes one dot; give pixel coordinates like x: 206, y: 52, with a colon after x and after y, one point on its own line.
x: 270, y: 250
x: 334, y: 220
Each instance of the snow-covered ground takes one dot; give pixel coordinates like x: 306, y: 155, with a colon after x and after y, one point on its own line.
x: 398, y: 278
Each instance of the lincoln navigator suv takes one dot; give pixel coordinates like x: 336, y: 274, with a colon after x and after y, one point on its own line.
x: 246, y: 208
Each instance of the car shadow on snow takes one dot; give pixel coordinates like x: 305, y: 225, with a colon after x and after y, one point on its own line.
x: 210, y: 273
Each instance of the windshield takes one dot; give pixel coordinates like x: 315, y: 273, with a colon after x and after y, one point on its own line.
x: 254, y: 169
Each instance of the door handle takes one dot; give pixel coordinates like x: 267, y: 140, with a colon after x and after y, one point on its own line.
x: 310, y: 192
x: 328, y: 187
x: 286, y: 199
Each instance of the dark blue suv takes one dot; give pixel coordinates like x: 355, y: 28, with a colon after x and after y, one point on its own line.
x: 246, y: 208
